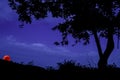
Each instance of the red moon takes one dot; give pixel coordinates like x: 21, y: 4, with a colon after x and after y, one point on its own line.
x: 6, y: 58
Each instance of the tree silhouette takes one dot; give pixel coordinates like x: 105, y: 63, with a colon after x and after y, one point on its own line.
x: 83, y: 19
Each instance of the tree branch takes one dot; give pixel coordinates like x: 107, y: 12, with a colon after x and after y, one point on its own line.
x: 98, y: 44
x: 110, y: 45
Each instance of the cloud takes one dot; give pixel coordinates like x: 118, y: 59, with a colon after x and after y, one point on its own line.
x: 38, y: 45
x: 41, y: 54
x: 51, y: 50
x: 10, y: 38
x: 12, y: 41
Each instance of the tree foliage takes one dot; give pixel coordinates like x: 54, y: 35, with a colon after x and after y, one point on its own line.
x: 82, y: 17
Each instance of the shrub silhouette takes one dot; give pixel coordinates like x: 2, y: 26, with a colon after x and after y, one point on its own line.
x: 67, y: 65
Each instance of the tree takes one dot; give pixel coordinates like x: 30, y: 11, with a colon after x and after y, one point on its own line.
x: 83, y: 19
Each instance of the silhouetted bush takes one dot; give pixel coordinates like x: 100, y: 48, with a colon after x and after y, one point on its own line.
x: 67, y: 65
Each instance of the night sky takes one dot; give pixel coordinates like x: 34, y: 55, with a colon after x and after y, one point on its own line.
x: 35, y: 41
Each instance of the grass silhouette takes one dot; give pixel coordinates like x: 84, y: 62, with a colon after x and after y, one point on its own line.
x: 67, y: 70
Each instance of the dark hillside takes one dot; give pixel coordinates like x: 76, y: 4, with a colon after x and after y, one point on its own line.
x: 66, y: 71
x: 15, y: 71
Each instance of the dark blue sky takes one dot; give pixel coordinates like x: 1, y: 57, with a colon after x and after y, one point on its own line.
x: 35, y: 41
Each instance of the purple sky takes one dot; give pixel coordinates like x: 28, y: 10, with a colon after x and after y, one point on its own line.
x: 35, y: 41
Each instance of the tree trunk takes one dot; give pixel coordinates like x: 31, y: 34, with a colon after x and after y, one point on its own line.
x: 109, y: 48
x: 103, y: 56
x: 102, y: 63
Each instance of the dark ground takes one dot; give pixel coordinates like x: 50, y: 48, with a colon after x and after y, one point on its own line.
x: 66, y: 71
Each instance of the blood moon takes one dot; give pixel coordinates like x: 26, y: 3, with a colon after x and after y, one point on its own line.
x: 6, y: 58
